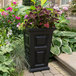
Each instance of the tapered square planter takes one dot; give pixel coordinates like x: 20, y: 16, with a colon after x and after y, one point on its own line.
x: 37, y: 44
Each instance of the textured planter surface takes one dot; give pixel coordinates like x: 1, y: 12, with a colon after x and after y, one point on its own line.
x: 37, y: 48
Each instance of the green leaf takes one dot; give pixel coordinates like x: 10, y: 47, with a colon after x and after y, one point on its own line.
x: 65, y: 41
x: 65, y: 33
x: 55, y: 50
x: 57, y: 42
x: 5, y: 74
x: 2, y: 58
x: 23, y: 10
x: 66, y: 49
x: 50, y: 9
x: 32, y: 7
x: 72, y: 40
x: 3, y: 68
x: 46, y: 4
x: 34, y: 1
x: 8, y: 62
x: 43, y: 2
x: 1, y: 10
x: 6, y: 49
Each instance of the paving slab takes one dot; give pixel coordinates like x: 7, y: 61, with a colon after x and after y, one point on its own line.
x: 68, y: 60
x: 55, y: 70
x: 48, y: 74
x: 38, y: 74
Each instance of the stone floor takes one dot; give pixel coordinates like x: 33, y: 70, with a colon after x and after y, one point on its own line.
x: 55, y: 70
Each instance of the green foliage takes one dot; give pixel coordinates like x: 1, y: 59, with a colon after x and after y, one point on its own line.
x: 63, y: 23
x: 65, y: 33
x: 18, y: 53
x: 39, y: 17
x: 6, y: 65
x: 43, y: 2
x: 10, y: 16
x: 27, y: 2
x: 57, y: 42
x: 6, y: 62
x: 63, y: 41
x: 73, y: 6
x: 66, y: 49
x: 55, y: 50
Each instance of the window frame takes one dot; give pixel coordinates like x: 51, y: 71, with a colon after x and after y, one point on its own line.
x: 64, y: 4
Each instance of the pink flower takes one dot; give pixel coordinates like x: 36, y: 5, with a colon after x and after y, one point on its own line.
x: 46, y: 25
x: 14, y: 3
x: 68, y: 18
x: 9, y: 8
x: 18, y: 18
x: 65, y: 8
x: 60, y: 12
x: 18, y: 25
x: 25, y: 16
x: 41, y: 23
x: 4, y: 13
x: 31, y: 23
x: 13, y: 15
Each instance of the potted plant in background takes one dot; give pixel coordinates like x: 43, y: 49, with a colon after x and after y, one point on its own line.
x: 39, y: 26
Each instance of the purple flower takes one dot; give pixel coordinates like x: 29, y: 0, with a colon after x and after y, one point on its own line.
x: 25, y: 16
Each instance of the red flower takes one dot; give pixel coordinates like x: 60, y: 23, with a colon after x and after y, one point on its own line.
x: 8, y: 21
x: 46, y: 25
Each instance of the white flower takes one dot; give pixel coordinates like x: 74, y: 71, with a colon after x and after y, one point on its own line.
x: 56, y: 7
x: 9, y: 33
x: 7, y: 42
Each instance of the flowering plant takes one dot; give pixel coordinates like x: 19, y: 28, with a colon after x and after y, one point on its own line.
x: 63, y: 18
x: 9, y: 17
x: 40, y: 17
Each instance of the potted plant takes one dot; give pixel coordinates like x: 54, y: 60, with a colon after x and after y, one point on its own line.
x: 39, y: 26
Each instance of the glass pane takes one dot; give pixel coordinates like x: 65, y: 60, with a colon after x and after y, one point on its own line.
x: 62, y: 2
x: 67, y: 1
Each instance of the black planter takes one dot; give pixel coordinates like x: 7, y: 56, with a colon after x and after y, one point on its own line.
x: 37, y: 48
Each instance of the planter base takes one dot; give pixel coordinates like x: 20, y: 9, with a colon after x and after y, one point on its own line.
x: 39, y: 69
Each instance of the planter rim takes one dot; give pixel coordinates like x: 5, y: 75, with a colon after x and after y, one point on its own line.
x: 31, y: 29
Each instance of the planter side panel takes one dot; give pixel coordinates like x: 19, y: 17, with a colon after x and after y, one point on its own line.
x: 37, y: 45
